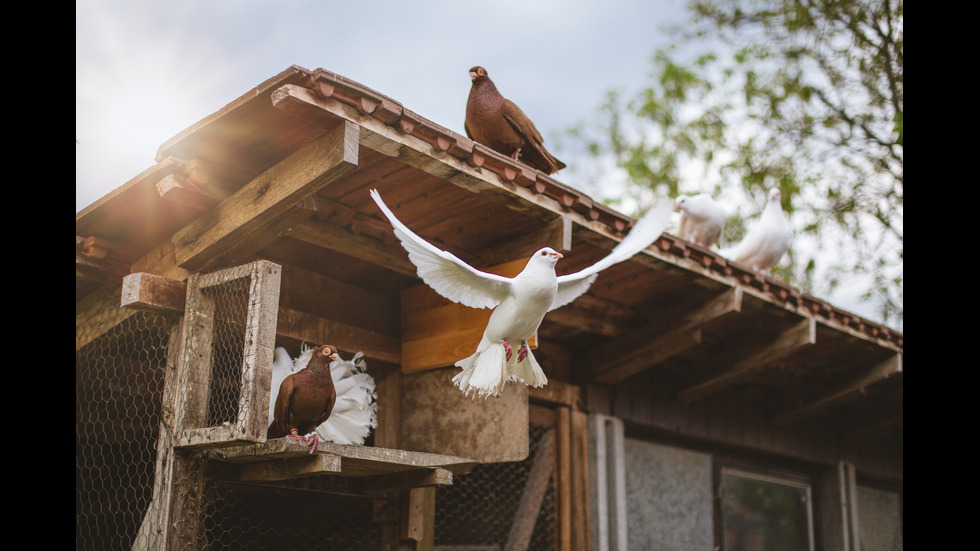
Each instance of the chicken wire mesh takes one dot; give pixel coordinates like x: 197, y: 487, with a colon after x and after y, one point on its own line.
x: 230, y: 303
x: 118, y: 398
x: 119, y: 406
x: 240, y: 516
x: 477, y: 511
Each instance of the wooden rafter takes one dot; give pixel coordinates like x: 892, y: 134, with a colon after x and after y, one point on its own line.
x: 363, y: 247
x: 626, y: 355
x: 854, y: 387
x: 800, y: 335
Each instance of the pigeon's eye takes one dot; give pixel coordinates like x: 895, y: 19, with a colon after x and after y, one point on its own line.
x: 543, y: 253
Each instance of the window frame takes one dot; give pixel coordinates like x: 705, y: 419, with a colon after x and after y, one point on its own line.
x: 799, y: 478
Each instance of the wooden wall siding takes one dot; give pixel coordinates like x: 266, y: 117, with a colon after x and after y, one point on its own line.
x: 743, y: 419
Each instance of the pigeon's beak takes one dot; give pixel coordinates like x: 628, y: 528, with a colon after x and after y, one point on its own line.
x: 472, y: 75
x: 334, y: 357
x: 557, y: 255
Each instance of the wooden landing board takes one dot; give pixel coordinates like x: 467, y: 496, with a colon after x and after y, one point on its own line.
x: 354, y: 460
x: 437, y: 332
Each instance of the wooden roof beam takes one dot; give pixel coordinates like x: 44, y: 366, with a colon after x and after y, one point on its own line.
x: 624, y: 356
x: 184, y: 191
x: 360, y: 246
x: 256, y: 214
x: 800, y: 335
x: 149, y: 292
x: 556, y: 234
x: 853, y: 388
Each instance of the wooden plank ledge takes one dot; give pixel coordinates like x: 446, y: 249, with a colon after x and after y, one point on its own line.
x: 358, y: 460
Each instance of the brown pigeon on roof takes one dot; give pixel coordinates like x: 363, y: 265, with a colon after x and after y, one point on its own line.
x: 496, y: 122
x: 306, y: 399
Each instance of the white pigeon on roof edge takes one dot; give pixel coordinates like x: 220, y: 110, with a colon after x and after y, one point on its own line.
x: 520, y: 303
x: 702, y: 219
x: 766, y: 241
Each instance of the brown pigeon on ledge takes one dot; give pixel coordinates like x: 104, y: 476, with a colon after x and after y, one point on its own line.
x: 497, y: 123
x: 306, y: 399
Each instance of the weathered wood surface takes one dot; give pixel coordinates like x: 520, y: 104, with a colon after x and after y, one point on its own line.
x: 302, y: 327
x: 437, y: 332
x: 148, y: 292
x: 252, y: 216
x: 251, y: 422
x: 355, y: 460
x: 529, y: 506
x: 152, y: 293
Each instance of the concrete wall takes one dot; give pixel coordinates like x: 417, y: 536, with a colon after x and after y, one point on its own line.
x: 668, y: 492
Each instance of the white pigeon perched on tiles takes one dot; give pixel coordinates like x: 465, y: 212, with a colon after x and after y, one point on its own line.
x: 355, y: 411
x: 766, y: 241
x: 520, y: 303
x: 702, y: 219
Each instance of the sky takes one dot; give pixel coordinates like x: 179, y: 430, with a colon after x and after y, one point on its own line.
x: 145, y: 71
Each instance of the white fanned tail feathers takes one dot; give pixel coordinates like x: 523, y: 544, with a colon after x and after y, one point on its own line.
x: 355, y: 412
x: 486, y: 371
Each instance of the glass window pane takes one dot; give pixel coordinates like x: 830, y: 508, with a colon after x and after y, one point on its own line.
x: 764, y: 513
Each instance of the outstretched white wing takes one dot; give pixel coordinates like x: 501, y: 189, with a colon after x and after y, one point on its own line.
x: 444, y: 272
x: 644, y: 232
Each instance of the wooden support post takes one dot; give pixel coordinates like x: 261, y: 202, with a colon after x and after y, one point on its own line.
x: 534, y: 491
x: 418, y: 517
x: 579, y: 456
x: 837, y: 505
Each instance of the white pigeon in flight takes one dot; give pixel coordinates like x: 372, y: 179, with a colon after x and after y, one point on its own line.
x: 766, y: 241
x: 702, y: 219
x: 519, y: 303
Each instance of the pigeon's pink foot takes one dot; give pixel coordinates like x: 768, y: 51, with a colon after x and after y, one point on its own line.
x: 508, y: 350
x: 314, y: 442
x: 522, y: 353
x: 516, y: 155
x: 299, y: 437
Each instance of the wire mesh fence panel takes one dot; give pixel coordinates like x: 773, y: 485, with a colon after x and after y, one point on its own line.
x: 225, y: 362
x: 227, y: 352
x: 118, y: 388
x: 238, y: 516
x: 481, y: 508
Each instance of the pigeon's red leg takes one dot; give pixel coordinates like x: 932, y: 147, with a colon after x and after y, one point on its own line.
x: 314, y: 442
x: 516, y: 155
x: 299, y: 437
x: 522, y: 353
x: 508, y: 350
